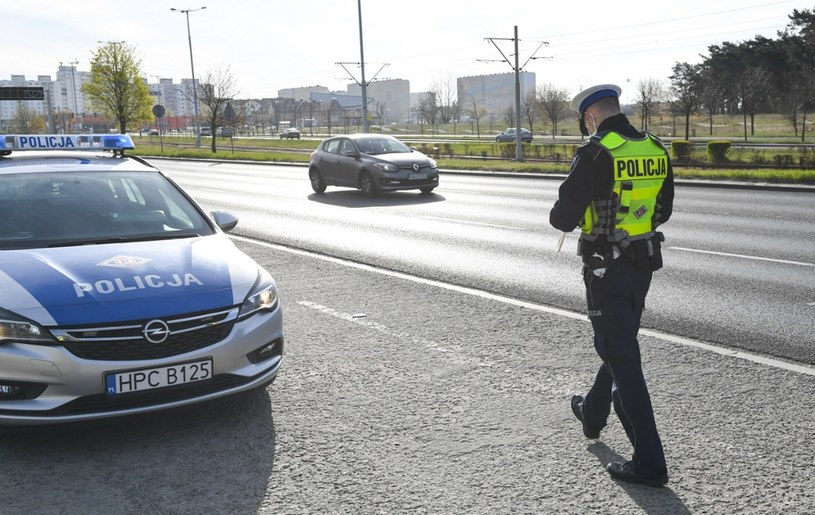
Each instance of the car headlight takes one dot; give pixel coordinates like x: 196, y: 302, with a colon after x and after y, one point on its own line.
x: 387, y: 167
x: 16, y: 328
x: 263, y: 296
x: 433, y: 164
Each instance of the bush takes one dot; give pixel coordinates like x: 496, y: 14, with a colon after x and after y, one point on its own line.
x: 507, y: 150
x: 717, y: 151
x: 681, y: 149
x: 783, y: 160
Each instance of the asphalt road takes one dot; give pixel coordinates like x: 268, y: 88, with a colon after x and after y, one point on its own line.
x: 400, y: 397
x: 739, y: 264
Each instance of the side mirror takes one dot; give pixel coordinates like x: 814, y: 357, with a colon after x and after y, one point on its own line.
x: 225, y: 220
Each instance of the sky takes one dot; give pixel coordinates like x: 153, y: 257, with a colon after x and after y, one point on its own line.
x: 269, y: 45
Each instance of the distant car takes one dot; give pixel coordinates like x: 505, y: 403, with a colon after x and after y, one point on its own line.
x: 152, y: 132
x: 206, y: 131
x: 118, y: 293
x: 509, y: 135
x: 226, y: 132
x: 372, y: 163
x: 291, y: 133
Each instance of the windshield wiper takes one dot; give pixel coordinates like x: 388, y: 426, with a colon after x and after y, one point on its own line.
x: 125, y: 239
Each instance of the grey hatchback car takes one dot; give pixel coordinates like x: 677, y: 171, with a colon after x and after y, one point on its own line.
x: 508, y: 134
x: 372, y: 163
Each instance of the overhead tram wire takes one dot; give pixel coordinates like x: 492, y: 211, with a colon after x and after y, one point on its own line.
x: 665, y: 21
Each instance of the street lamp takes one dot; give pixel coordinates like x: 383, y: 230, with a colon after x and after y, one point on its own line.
x: 73, y: 85
x: 187, y: 12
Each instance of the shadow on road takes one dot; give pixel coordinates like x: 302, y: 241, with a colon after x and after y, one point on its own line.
x: 652, y: 500
x: 215, y: 457
x: 355, y: 198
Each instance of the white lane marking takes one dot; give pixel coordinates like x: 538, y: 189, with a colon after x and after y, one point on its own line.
x: 456, y: 220
x: 742, y: 256
x: 755, y: 358
x: 356, y: 319
x: 359, y: 319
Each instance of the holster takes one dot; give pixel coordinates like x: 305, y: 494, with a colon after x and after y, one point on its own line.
x: 646, y: 254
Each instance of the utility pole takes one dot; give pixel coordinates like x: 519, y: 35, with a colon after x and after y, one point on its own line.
x: 363, y: 84
x: 519, y: 154
x: 362, y: 67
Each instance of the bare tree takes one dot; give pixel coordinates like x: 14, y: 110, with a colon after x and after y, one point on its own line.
x: 446, y: 100
x: 477, y: 112
x: 554, y: 103
x: 650, y: 93
x: 529, y: 106
x: 429, y: 110
x: 509, y: 116
x: 216, y: 91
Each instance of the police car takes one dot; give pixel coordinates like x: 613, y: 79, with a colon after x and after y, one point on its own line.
x: 118, y: 293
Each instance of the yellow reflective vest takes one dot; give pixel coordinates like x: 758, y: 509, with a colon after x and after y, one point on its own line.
x: 639, y: 168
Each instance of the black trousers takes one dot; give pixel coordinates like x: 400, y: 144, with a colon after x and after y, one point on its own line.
x: 615, y: 303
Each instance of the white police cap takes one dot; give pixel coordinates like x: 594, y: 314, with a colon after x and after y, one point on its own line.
x: 588, y: 96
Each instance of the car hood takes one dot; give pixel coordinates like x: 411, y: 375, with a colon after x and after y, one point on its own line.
x: 403, y: 158
x: 124, y: 281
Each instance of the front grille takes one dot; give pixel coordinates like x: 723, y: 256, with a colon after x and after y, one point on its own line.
x: 127, y: 342
x: 423, y: 167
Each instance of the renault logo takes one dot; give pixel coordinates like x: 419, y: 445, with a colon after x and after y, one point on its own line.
x: 415, y: 167
x: 156, y: 331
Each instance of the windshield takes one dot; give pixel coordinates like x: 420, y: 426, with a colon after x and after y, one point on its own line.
x: 75, y: 208
x: 374, y: 146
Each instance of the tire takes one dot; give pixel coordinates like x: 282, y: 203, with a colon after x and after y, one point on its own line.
x: 367, y: 185
x: 427, y: 190
x: 317, y: 182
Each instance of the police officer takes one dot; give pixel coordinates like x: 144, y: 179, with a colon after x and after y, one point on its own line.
x: 619, y: 189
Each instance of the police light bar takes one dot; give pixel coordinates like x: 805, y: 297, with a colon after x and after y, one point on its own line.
x: 19, y: 142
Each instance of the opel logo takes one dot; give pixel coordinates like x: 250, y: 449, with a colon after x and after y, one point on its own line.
x: 156, y: 331
x: 415, y: 167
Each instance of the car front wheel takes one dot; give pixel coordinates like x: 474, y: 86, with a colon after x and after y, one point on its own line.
x: 427, y: 190
x: 317, y: 183
x: 366, y: 184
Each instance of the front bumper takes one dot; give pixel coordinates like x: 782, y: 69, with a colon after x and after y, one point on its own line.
x: 67, y: 388
x: 396, y: 182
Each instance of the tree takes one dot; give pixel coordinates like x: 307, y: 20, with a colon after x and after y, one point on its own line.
x: 710, y: 95
x: 117, y: 87
x: 508, y: 115
x: 554, y: 103
x: 530, y: 108
x: 26, y: 121
x: 444, y: 91
x: 216, y: 91
x: 429, y: 110
x: 799, y: 43
x: 649, y: 93
x: 477, y: 112
x: 686, y: 87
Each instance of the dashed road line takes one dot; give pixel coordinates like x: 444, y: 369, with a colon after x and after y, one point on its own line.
x: 468, y: 222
